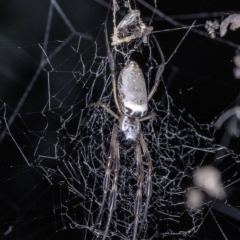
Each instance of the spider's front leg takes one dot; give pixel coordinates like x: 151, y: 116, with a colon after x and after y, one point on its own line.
x: 106, y: 180
x: 113, y: 158
x: 138, y: 200
x: 116, y: 167
x: 148, y: 190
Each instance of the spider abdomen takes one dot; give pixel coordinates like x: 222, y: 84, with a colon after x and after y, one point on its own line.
x: 132, y: 91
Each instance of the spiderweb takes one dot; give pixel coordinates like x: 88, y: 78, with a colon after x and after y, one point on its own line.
x: 54, y: 147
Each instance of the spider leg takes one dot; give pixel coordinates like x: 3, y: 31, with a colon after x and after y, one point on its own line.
x: 159, y: 71
x: 105, y: 107
x: 138, y: 200
x: 148, y: 180
x: 112, y: 69
x: 116, y: 167
x: 151, y: 115
x: 106, y: 181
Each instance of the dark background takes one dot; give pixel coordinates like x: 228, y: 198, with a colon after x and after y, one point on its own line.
x: 199, y: 78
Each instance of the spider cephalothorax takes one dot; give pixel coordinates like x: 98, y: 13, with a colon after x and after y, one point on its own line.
x: 131, y: 99
x: 130, y: 127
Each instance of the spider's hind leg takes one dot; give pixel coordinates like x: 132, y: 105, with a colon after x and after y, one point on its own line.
x: 112, y: 69
x: 159, y: 71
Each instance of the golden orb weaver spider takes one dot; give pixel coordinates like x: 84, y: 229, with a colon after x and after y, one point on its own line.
x: 131, y: 99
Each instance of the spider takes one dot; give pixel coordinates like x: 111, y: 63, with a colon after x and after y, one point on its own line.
x: 131, y: 99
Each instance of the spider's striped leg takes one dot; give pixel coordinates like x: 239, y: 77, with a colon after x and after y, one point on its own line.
x: 138, y: 200
x: 159, y: 71
x: 148, y: 180
x: 106, y: 181
x: 116, y: 168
